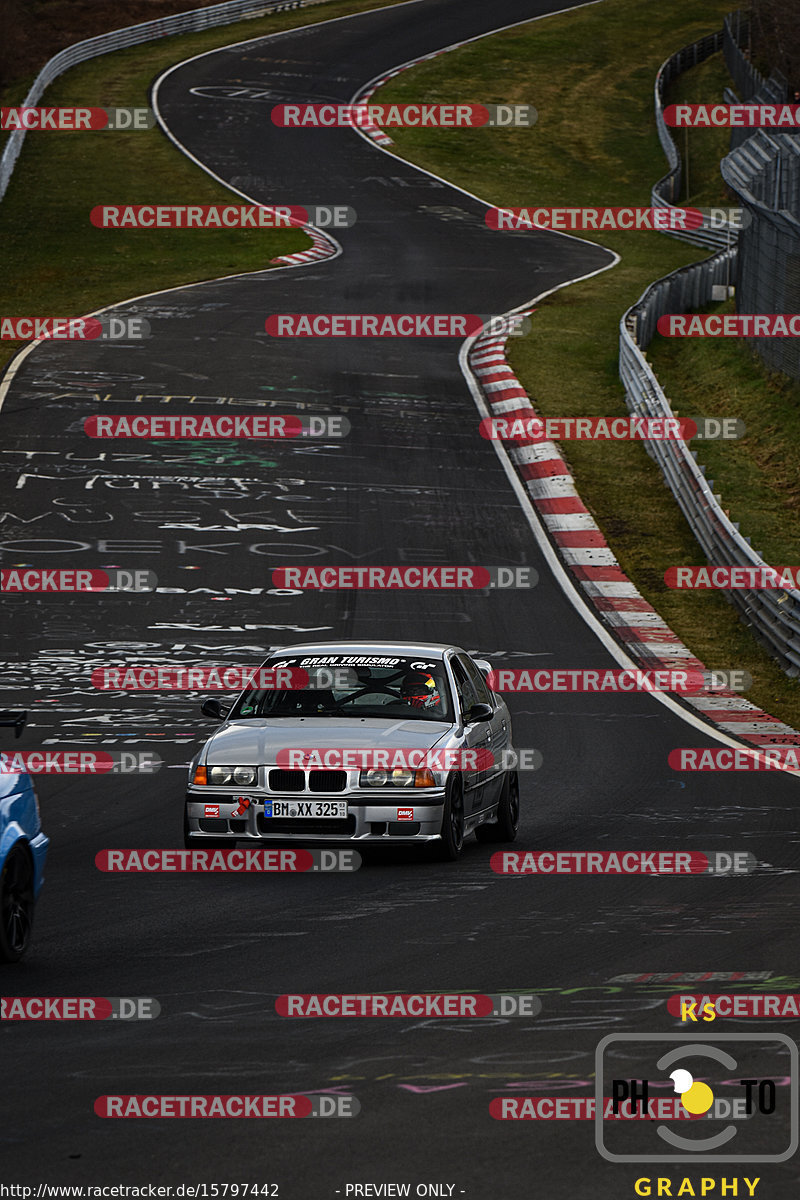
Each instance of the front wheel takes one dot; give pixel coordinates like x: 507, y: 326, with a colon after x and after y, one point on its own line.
x: 16, y: 904
x: 504, y: 828
x: 452, y: 842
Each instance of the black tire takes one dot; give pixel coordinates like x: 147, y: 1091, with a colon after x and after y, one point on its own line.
x: 16, y: 904
x: 452, y: 840
x: 504, y: 829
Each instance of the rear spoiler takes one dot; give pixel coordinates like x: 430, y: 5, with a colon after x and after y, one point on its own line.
x: 17, y: 720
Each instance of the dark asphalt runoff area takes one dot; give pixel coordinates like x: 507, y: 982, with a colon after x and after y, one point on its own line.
x: 413, y: 483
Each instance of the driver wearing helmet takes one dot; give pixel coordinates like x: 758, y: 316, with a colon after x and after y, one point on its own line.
x: 419, y: 689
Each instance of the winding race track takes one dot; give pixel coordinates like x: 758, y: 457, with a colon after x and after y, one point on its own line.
x: 413, y: 483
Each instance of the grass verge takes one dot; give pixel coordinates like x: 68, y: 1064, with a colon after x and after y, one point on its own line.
x: 590, y: 74
x: 55, y: 263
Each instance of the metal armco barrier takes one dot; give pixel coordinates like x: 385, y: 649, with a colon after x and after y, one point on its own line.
x: 752, y: 85
x: 665, y: 192
x: 134, y: 35
x: 772, y: 616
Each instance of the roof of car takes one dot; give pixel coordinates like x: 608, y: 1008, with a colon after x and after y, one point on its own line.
x: 430, y: 649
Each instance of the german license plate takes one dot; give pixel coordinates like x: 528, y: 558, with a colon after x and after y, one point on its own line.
x: 299, y: 809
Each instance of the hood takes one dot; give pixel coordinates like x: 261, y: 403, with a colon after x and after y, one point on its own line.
x: 256, y: 742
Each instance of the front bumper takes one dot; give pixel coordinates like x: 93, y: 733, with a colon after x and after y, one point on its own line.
x: 210, y: 814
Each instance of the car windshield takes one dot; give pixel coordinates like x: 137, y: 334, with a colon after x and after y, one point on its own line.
x: 394, y: 687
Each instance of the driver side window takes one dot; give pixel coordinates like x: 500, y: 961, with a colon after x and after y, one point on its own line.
x: 464, y: 688
x: 478, y: 681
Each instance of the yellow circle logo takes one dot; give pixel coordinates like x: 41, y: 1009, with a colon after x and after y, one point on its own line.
x: 696, y: 1098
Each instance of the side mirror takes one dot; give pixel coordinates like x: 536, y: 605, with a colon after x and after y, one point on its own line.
x: 479, y: 712
x: 15, y: 720
x: 213, y: 708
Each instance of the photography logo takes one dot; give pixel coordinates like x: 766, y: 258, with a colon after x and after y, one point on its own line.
x: 738, y: 1097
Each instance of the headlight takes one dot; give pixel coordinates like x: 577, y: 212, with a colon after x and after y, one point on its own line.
x: 373, y: 777
x: 399, y: 777
x: 241, y: 776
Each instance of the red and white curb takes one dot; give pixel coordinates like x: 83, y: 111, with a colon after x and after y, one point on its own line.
x: 321, y: 248
x: 585, y: 553
x: 367, y: 127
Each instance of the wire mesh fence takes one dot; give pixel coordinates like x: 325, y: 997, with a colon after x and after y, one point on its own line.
x: 764, y: 171
x: 751, y: 84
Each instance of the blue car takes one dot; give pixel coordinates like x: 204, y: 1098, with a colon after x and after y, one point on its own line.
x: 23, y: 848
